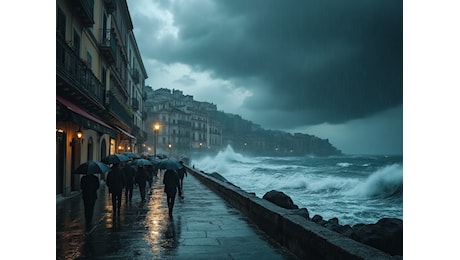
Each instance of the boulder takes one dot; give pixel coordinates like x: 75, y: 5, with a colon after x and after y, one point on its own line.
x: 280, y: 199
x: 317, y: 218
x: 386, y: 235
x: 302, y: 212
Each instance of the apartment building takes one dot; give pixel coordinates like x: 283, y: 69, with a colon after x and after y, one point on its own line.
x: 100, y: 81
x: 186, y: 126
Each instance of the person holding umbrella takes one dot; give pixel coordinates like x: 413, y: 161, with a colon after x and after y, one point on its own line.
x: 89, y: 184
x: 130, y: 173
x: 141, y: 179
x: 116, y: 181
x: 172, y: 185
x: 182, y: 173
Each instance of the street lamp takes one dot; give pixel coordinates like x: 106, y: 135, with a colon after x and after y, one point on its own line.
x: 156, y: 128
x: 79, y: 134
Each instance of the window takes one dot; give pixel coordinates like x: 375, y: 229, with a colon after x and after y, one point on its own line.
x: 90, y: 149
x: 104, y: 76
x: 61, y: 22
x: 76, y: 42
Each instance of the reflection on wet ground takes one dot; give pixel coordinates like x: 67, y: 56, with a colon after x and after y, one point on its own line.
x: 137, y: 232
x: 203, y: 226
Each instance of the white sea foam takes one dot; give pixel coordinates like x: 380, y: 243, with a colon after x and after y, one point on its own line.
x: 344, y: 164
x: 385, y: 182
x: 354, y: 189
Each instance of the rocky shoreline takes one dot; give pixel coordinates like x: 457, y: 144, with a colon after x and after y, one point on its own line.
x: 386, y: 234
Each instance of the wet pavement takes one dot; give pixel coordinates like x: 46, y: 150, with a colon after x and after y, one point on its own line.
x: 203, y: 226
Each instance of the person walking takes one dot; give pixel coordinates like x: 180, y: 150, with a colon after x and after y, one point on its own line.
x: 149, y: 169
x: 116, y: 182
x: 129, y: 172
x: 182, y: 172
x: 172, y: 184
x: 141, y: 180
x: 89, y: 185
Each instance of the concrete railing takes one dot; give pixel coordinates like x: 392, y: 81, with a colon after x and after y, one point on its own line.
x: 305, y: 239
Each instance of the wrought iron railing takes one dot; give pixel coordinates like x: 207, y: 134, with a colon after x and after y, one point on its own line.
x: 75, y: 70
x: 119, y: 110
x: 109, y: 43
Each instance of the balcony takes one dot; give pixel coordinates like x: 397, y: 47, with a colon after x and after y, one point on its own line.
x: 135, y: 74
x: 85, y: 10
x: 134, y: 104
x: 108, y: 45
x: 118, y: 110
x: 74, y: 79
x: 110, y: 5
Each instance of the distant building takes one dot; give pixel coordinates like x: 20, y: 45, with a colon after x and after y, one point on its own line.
x: 186, y: 125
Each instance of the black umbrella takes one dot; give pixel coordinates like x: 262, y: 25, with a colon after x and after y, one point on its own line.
x: 132, y: 155
x: 170, y: 164
x: 91, y: 167
x: 155, y: 160
x: 143, y: 162
x: 115, y: 158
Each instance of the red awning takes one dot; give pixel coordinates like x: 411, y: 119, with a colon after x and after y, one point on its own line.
x: 76, y: 109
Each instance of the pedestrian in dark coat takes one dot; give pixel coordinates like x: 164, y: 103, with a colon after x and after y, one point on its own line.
x: 89, y: 185
x: 149, y: 169
x: 130, y: 173
x: 116, y: 182
x: 171, y: 182
x: 141, y: 180
x: 182, y: 172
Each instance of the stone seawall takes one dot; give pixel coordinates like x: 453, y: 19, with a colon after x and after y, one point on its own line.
x: 304, y: 238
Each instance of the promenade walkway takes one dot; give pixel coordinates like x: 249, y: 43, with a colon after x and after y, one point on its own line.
x: 203, y: 226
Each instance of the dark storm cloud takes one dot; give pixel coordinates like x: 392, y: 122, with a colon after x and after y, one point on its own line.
x: 314, y: 61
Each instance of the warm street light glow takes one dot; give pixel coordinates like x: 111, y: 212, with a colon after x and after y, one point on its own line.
x: 156, y: 129
x: 79, y: 134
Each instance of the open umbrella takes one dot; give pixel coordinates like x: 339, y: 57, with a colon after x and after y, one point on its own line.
x: 115, y: 158
x: 132, y: 155
x: 91, y: 167
x: 155, y: 160
x: 143, y: 162
x: 170, y: 164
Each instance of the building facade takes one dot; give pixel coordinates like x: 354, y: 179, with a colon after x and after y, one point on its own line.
x: 186, y: 126
x: 100, y: 81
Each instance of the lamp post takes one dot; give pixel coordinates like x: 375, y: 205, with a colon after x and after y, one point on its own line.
x: 156, y: 128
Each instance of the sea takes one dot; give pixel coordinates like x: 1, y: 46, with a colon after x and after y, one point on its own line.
x: 353, y: 188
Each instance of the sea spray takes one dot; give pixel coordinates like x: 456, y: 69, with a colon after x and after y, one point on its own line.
x: 384, y: 183
x: 355, y: 189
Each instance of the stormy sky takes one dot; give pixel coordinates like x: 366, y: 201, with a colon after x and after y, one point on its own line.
x: 332, y: 68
